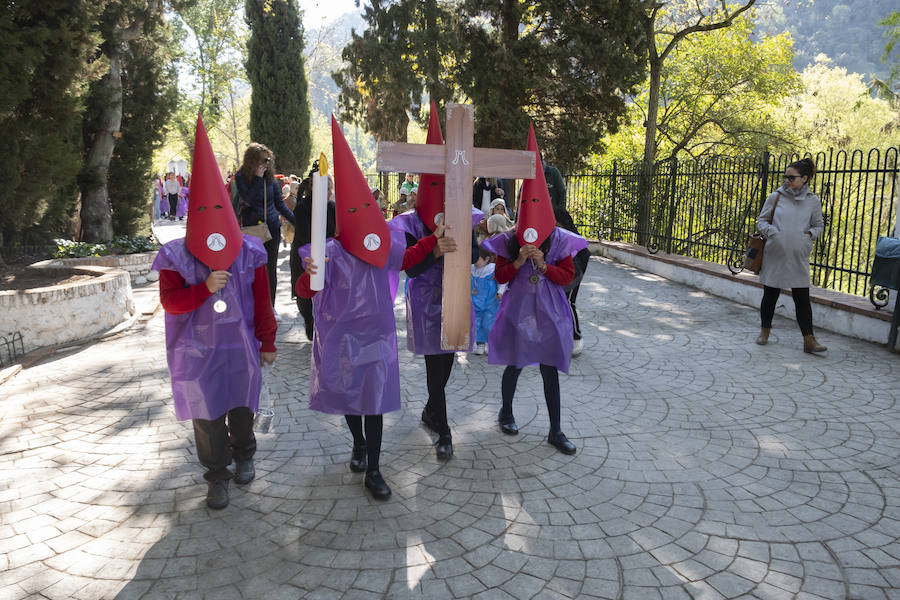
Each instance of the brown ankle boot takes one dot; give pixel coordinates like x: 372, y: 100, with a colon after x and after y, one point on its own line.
x: 763, y: 338
x: 810, y: 344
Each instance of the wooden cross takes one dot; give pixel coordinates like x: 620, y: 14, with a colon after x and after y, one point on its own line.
x: 460, y: 162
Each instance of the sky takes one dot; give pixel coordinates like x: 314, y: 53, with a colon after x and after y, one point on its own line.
x: 323, y: 12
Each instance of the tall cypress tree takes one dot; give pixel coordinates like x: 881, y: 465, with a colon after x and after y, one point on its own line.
x: 279, y: 108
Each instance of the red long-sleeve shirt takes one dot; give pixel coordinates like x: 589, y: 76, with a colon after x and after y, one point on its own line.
x: 561, y: 273
x: 178, y: 299
x: 413, y: 256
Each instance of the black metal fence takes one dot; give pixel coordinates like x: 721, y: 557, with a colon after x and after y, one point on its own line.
x: 706, y: 208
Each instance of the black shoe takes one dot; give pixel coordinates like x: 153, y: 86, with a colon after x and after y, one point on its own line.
x: 444, y: 447
x: 430, y: 422
x: 508, y: 424
x: 244, y: 472
x: 308, y: 325
x: 375, y: 483
x: 359, y: 460
x: 561, y: 443
x: 217, y: 494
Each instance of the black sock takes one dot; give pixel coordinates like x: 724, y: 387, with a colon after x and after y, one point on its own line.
x: 374, y: 426
x: 354, y: 422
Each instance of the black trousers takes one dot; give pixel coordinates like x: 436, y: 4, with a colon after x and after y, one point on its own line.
x: 272, y: 247
x: 550, y: 375
x: 802, y: 307
x: 572, y: 295
x: 221, y: 440
x: 173, y: 203
x: 437, y: 374
x: 371, y: 439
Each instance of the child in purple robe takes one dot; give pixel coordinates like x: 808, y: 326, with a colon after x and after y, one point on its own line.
x: 534, y: 322
x: 220, y: 326
x: 355, y: 370
x: 425, y: 294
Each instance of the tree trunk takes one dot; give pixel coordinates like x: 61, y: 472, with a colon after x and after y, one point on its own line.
x: 648, y: 166
x: 96, y: 213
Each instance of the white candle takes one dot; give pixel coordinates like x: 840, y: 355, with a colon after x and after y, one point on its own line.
x: 317, y: 225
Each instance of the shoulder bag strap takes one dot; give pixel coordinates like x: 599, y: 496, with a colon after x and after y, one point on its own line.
x: 774, y: 206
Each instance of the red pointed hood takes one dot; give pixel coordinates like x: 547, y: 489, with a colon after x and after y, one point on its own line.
x: 212, y: 235
x: 535, y: 219
x: 361, y: 227
x: 430, y: 197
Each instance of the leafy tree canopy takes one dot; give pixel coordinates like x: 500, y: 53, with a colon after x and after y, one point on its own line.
x: 718, y: 93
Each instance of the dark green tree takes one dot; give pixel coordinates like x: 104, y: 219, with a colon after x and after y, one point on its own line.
x: 149, y: 97
x: 120, y: 23
x: 44, y: 48
x: 378, y: 85
x: 279, y: 108
x: 566, y: 65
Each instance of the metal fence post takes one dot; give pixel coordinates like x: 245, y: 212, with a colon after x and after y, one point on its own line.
x: 612, y: 226
x: 670, y: 225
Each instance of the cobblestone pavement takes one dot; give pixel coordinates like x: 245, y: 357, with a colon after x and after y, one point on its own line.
x: 707, y: 467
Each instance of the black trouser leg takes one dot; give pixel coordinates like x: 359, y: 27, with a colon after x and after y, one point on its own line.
x: 767, y: 306
x: 272, y: 247
x: 803, y: 309
x: 173, y: 204
x: 305, y: 306
x: 576, y: 329
x: 374, y: 427
x: 437, y: 374
x: 354, y: 422
x: 508, y: 388
x: 372, y: 439
x: 217, y: 442
x: 551, y: 395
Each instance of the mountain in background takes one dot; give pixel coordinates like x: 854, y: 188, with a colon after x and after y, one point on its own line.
x: 845, y: 30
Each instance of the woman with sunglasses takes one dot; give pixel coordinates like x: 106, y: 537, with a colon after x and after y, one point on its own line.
x: 791, y: 219
x: 260, y: 202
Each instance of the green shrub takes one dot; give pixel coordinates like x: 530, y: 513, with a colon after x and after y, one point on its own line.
x: 120, y: 245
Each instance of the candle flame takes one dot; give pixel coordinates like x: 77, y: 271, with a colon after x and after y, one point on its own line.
x: 323, y: 164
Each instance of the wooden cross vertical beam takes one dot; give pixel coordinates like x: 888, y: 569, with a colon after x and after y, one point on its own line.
x: 460, y: 162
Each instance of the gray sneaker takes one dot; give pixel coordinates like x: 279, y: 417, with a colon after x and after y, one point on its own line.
x: 244, y: 471
x: 217, y: 494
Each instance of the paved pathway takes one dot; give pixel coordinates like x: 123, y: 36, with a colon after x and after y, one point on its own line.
x: 707, y: 467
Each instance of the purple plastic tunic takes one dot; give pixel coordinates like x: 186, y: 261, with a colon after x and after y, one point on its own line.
x: 424, y: 292
x: 181, y: 209
x: 213, y: 357
x: 534, y: 323
x: 354, y: 356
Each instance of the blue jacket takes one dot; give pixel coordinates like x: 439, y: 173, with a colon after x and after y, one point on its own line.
x: 252, y: 201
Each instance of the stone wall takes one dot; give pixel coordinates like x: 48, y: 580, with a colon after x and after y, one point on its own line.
x: 137, y: 265
x: 57, y: 315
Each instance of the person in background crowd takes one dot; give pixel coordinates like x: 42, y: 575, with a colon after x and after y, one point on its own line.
x: 486, y: 296
x: 157, y: 198
x: 172, y: 188
x: 791, y: 219
x: 556, y: 185
x: 303, y: 236
x: 289, y: 194
x: 408, y: 184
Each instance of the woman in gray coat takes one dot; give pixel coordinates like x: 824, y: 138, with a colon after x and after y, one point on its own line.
x: 790, y: 232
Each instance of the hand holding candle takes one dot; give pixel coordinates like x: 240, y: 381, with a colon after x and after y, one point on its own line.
x: 318, y: 222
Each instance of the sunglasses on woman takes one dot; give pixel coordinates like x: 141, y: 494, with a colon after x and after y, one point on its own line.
x: 791, y: 178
